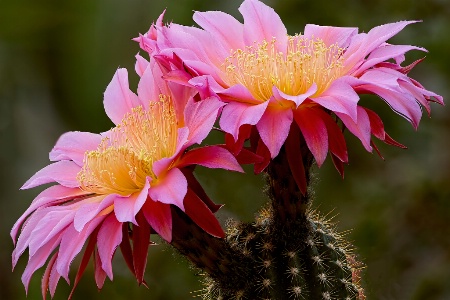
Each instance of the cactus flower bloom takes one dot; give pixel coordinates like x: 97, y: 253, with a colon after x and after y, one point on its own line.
x: 125, y: 179
x: 271, y: 80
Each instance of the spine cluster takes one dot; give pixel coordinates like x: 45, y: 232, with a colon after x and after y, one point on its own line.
x: 318, y: 267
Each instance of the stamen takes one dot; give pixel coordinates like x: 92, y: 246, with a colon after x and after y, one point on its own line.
x: 125, y: 158
x: 262, y: 66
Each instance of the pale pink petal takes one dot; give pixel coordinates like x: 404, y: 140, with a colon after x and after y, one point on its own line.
x: 214, y: 157
x: 339, y: 97
x: 46, y: 277
x: 361, y: 129
x: 53, y: 280
x: 362, y: 44
x: 314, y: 131
x: 141, y: 65
x: 386, y: 86
x: 63, y: 172
x: 126, y: 208
x: 262, y: 23
x: 109, y: 237
x: 71, y: 243
x: 226, y: 29
x: 384, y: 53
x: 330, y: 35
x: 148, y: 88
x: 50, y: 225
x: 73, y: 146
x: 38, y: 259
x: 273, y: 127
x: 90, y: 208
x: 118, y: 99
x: 236, y: 114
x: 51, y: 196
x: 200, y: 117
x: 170, y: 189
x: 159, y: 216
x: 297, y: 99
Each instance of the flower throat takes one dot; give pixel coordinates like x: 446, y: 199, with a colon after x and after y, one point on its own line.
x: 262, y: 66
x: 125, y: 157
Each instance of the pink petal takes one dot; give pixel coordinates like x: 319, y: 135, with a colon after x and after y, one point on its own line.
x: 314, y: 131
x: 90, y: 208
x: 200, y: 117
x: 297, y: 99
x: 340, y: 36
x: 161, y: 166
x: 53, y: 195
x: 170, y: 189
x: 50, y: 225
x: 38, y: 259
x: 118, y: 99
x: 63, y: 172
x: 159, y: 216
x: 261, y: 23
x: 273, y: 128
x: 141, y: 65
x: 384, y: 53
x: 151, y: 85
x: 71, y: 243
x: 73, y: 146
x: 361, y: 128
x: 226, y: 29
x: 126, y: 208
x: 109, y: 237
x: 46, y: 276
x: 339, y: 97
x: 213, y: 157
x: 236, y: 114
x: 197, y: 210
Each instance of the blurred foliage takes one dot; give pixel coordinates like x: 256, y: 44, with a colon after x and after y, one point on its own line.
x: 56, y: 58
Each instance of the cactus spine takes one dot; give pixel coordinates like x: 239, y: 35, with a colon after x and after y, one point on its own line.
x: 287, y: 253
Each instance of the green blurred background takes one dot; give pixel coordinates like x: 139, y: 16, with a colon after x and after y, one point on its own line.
x: 56, y: 58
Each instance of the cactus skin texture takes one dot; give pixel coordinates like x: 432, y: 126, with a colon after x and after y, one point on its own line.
x: 288, y: 252
x: 317, y: 267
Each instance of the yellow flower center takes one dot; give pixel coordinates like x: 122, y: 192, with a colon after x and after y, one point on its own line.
x: 262, y: 66
x: 125, y: 158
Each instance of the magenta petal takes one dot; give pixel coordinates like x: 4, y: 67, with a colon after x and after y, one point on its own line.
x: 274, y: 128
x: 141, y: 242
x: 199, y: 212
x: 236, y: 114
x: 200, y: 117
x: 170, y: 189
x: 109, y: 237
x: 361, y: 128
x: 63, y: 172
x: 330, y: 35
x: 336, y: 140
x: 214, y: 157
x: 223, y: 27
x: 99, y: 273
x: 261, y: 23
x: 314, y: 131
x: 159, y: 217
x: 73, y: 145
x: 126, y: 208
x: 118, y: 99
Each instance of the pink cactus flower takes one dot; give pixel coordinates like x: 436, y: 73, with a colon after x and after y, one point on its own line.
x: 273, y: 81
x: 130, y: 177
